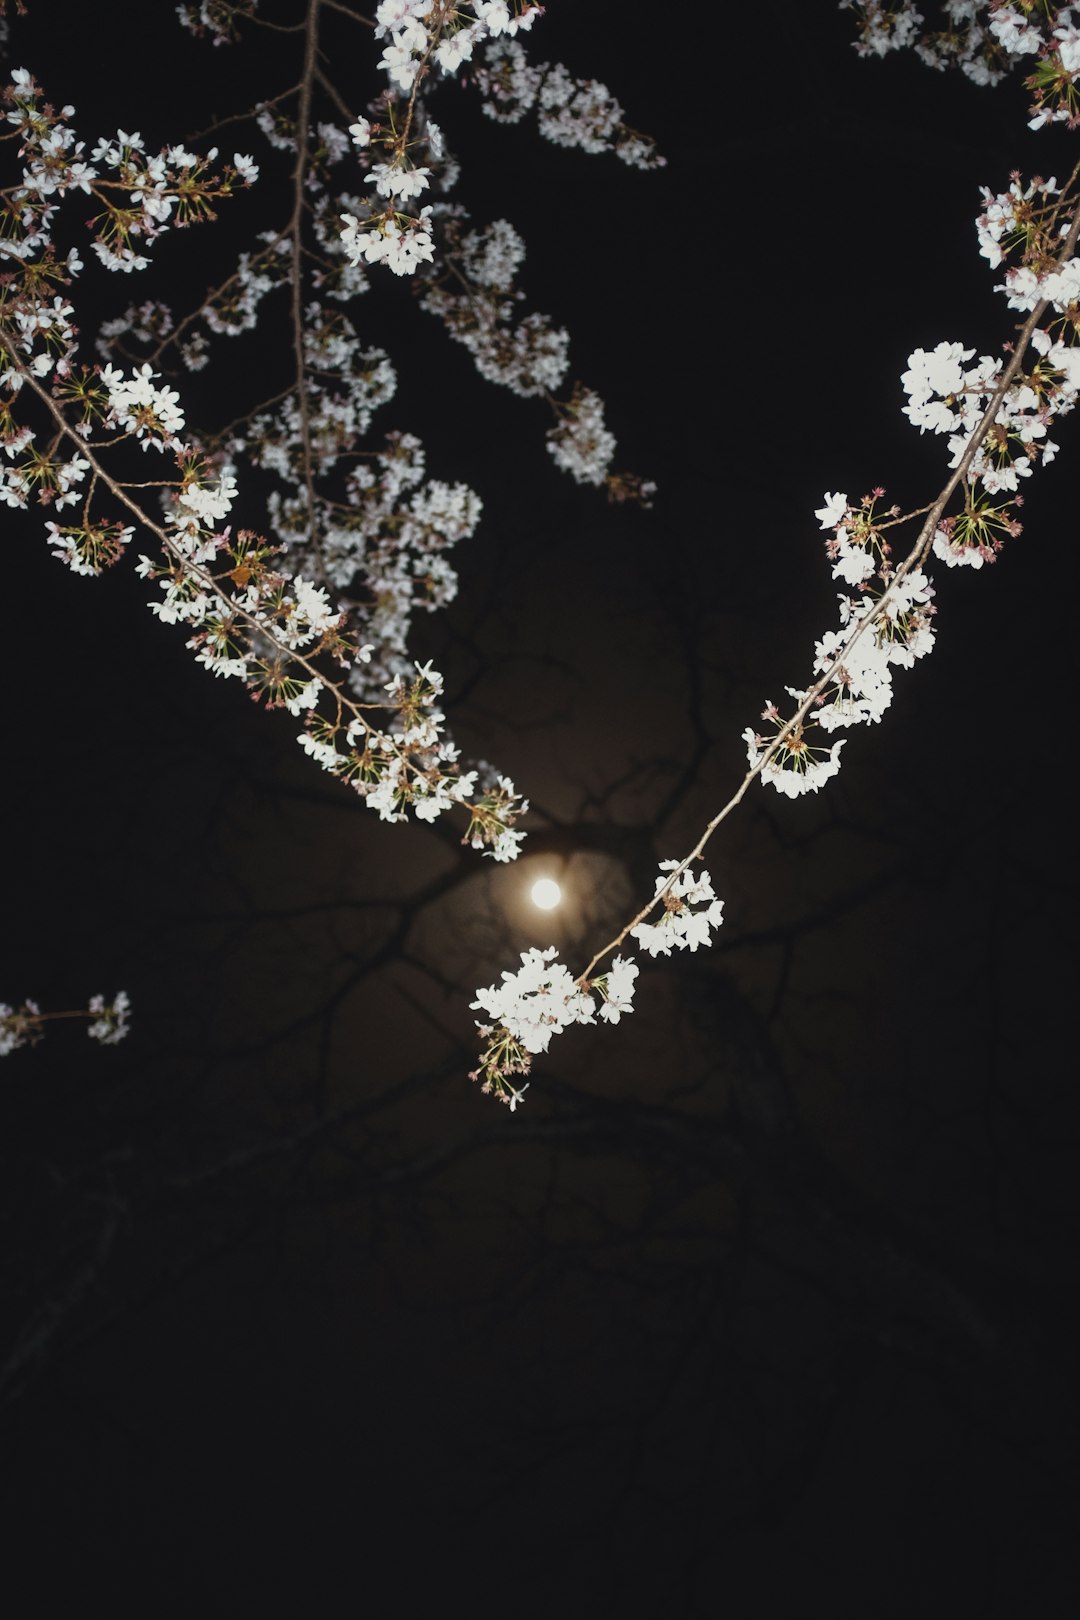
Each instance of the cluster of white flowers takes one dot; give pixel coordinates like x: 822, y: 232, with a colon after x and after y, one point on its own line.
x: 37, y: 330
x: 883, y: 29
x: 404, y: 158
x: 542, y: 998
x: 538, y: 1001
x: 797, y: 767
x: 88, y: 549
x: 616, y: 987
x: 1008, y: 215
x: 151, y: 414
x: 246, y: 617
x: 418, y: 31
x: 901, y: 632
x: 985, y: 39
x: 398, y: 241
x: 386, y: 545
x: 160, y: 185
x: 492, y: 257
x: 581, y: 443
x: 412, y: 766
x: 882, y: 626
x: 54, y: 163
x: 44, y: 332
x: 529, y: 356
x: 109, y: 1022
x: 571, y: 112
x: 19, y: 1026
x: 508, y: 81
x: 691, y: 909
x: 946, y: 398
x: 886, y: 613
x: 419, y: 28
x: 1025, y: 288
x: 940, y: 373
x: 948, y: 395
x: 252, y: 622
x: 54, y: 477
x: 1014, y: 32
x: 583, y: 113
x: 398, y: 179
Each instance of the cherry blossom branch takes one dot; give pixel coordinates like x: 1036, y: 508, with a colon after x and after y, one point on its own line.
x: 917, y: 555
x: 489, y: 815
x: 108, y: 1022
x: 987, y: 410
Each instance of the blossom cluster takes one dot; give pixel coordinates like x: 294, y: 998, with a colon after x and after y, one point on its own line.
x: 885, y: 623
x: 38, y: 330
x: 691, y: 910
x: 997, y: 433
x: 948, y: 396
x: 401, y: 242
x: 136, y: 405
x: 950, y: 391
x: 419, y: 30
x: 477, y: 300
x: 248, y: 614
x: 109, y: 1022
x: 538, y: 1001
x: 418, y: 33
x: 530, y: 356
x: 19, y: 1026
x: 173, y: 187
x: 379, y: 545
x: 581, y: 444
x: 363, y: 520
x: 572, y: 112
x: 541, y: 998
x: 276, y: 631
x: 467, y: 278
x: 986, y: 39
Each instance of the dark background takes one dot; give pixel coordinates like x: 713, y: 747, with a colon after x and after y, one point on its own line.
x: 767, y: 1293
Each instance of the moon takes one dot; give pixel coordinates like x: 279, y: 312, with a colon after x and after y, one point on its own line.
x: 546, y: 893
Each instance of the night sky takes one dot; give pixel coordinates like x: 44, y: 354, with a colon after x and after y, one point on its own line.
x: 767, y: 1293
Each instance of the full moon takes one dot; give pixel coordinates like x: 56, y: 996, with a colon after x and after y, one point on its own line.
x: 546, y: 893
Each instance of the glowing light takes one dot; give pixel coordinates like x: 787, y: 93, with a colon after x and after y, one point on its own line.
x: 546, y: 893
